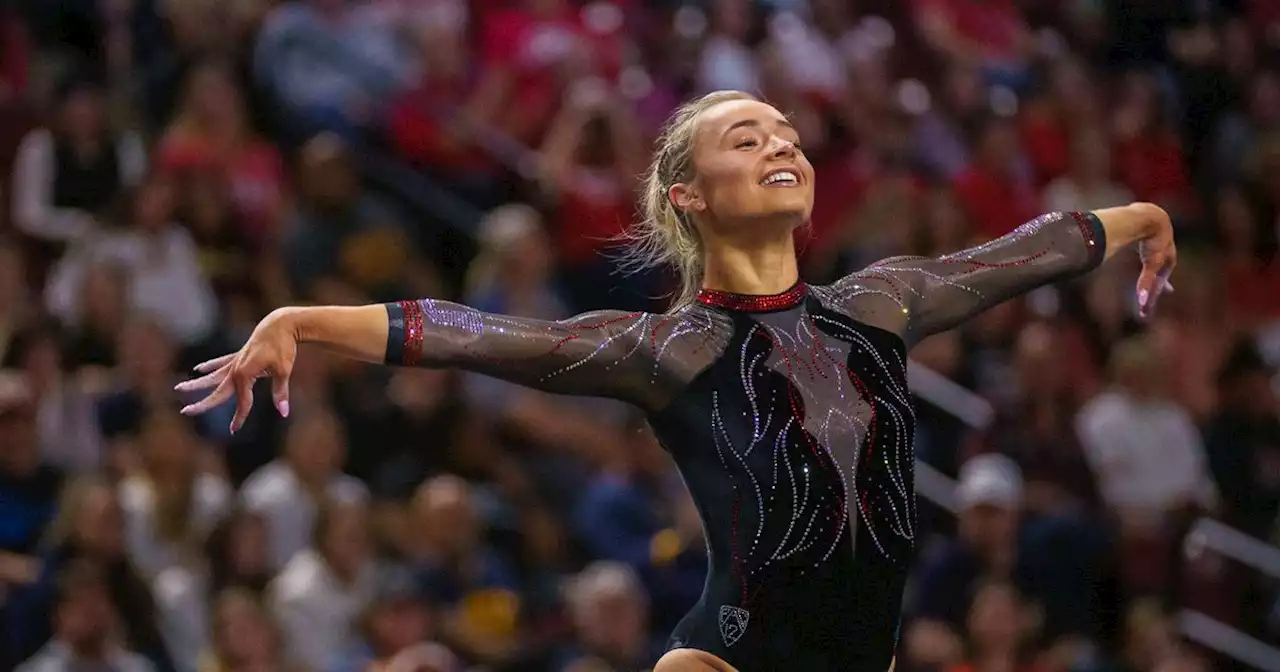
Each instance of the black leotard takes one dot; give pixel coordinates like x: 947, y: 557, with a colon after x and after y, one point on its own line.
x: 791, y: 423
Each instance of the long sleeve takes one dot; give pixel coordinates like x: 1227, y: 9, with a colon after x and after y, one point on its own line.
x: 33, y: 211
x: 640, y: 358
x: 915, y: 297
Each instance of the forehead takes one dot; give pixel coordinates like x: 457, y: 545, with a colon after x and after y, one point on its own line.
x: 715, y: 120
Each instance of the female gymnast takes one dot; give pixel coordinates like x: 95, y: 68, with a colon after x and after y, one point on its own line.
x: 784, y: 405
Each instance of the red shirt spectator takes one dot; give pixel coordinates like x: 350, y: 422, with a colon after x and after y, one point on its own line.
x: 211, y: 134
x: 994, y: 199
x: 1153, y: 166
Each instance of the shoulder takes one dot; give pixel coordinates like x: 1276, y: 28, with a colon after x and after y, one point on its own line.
x: 297, y: 580
x: 38, y: 140
x: 267, y: 485
x: 135, y: 495
x: 348, y: 489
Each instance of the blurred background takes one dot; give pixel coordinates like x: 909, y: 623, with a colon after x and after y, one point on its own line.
x: 1099, y: 496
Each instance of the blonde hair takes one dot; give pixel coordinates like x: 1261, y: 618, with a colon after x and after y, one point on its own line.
x: 666, y: 236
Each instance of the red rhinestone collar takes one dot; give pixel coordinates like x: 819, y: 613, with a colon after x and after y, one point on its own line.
x: 754, y: 303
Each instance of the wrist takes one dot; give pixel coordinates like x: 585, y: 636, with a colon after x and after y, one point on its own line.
x: 1151, y: 219
x: 293, y: 320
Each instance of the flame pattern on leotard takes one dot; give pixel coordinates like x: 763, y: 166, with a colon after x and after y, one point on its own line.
x: 789, y: 418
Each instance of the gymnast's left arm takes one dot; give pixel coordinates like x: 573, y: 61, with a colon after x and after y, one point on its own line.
x: 931, y: 295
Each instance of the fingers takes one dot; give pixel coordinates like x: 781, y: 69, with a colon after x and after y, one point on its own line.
x: 215, y: 364
x: 203, y: 382
x: 1152, y: 282
x: 244, y: 400
x: 220, y: 394
x: 280, y: 393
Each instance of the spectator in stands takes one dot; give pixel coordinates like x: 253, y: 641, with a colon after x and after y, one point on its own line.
x: 68, y: 173
x: 211, y: 136
x: 472, y: 582
x: 15, y: 304
x: 1240, y: 132
x: 244, y: 637
x: 170, y: 506
x: 330, y: 61
x: 159, y: 257
x: 442, y: 125
x: 999, y: 627
x: 1243, y: 442
x: 94, y: 332
x: 1087, y: 184
x: 1149, y: 462
x: 397, y: 620
x: 621, y: 510
x: 591, y: 162
x: 66, y: 423
x: 89, y: 528
x: 141, y: 384
x: 1037, y: 431
x: 347, y: 246
x: 941, y: 145
x: 994, y: 191
x: 85, y: 631
x: 530, y: 51
x: 1250, y: 265
x: 1149, y: 159
x: 990, y: 494
x: 609, y: 610
x: 990, y: 35
x: 319, y: 595
x: 1052, y: 122
x: 28, y: 484
x: 288, y: 491
x: 1145, y: 451
x: 238, y: 552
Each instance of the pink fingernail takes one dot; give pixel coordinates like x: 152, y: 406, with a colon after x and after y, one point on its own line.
x: 1143, y: 295
x: 233, y: 427
x: 283, y: 407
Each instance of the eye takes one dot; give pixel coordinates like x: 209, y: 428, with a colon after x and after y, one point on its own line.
x: 746, y: 143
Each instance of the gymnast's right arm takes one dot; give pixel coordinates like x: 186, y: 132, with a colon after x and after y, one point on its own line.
x: 594, y: 354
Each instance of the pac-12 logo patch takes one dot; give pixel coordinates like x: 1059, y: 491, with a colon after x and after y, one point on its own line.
x: 733, y: 622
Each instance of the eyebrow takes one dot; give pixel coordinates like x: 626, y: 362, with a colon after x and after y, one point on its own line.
x: 754, y: 123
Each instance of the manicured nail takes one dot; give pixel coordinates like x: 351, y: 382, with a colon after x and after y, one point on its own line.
x: 1143, y: 295
x: 283, y: 407
x: 233, y: 427
x: 186, y: 410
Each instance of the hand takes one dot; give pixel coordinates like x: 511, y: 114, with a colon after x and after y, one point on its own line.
x: 1159, y: 255
x: 270, y: 353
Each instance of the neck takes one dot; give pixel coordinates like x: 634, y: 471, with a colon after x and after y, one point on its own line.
x: 760, y: 269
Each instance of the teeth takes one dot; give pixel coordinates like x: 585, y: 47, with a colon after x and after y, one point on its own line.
x: 781, y: 176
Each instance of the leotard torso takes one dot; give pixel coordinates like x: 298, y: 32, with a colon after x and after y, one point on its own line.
x: 791, y: 423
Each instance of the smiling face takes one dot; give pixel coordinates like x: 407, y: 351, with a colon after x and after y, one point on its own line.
x: 747, y: 164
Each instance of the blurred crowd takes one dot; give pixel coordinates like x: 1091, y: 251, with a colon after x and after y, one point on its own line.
x: 178, y: 168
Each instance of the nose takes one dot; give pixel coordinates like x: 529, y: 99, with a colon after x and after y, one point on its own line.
x: 782, y: 148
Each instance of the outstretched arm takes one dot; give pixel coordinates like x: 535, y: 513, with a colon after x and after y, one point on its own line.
x: 596, y: 354
x: 917, y: 297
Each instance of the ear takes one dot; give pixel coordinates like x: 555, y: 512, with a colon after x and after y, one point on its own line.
x: 686, y: 197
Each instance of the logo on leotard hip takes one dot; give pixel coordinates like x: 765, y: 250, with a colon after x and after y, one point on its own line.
x: 733, y: 622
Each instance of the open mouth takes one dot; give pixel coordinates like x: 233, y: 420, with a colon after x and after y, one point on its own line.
x: 781, y: 178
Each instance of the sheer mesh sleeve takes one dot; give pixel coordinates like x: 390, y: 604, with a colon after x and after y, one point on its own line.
x: 641, y: 358
x: 918, y: 296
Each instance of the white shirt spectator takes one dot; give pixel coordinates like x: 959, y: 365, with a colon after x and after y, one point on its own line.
x: 33, y: 179
x: 317, y: 612
x: 1065, y: 195
x: 727, y: 65
x: 1147, y: 455
x: 165, y: 280
x: 182, y: 612
x: 275, y: 493
x: 211, y: 501
x: 57, y: 657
